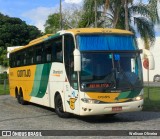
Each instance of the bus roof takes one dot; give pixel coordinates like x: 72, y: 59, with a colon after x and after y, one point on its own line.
x: 75, y: 32
x: 99, y: 30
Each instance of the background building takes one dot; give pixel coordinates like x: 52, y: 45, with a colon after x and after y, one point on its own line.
x: 155, y: 49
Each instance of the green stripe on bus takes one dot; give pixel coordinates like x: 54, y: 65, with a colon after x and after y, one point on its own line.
x: 129, y: 94
x: 124, y: 95
x: 134, y: 93
x: 37, y: 80
x: 41, y: 80
x: 44, y: 80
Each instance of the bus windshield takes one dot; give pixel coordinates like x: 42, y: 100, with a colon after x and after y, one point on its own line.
x: 110, y: 70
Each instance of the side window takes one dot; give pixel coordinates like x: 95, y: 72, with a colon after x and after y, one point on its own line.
x: 11, y: 60
x: 14, y: 60
x: 57, y: 53
x: 47, y: 54
x: 30, y: 56
x: 38, y: 54
x: 25, y: 58
x: 18, y: 59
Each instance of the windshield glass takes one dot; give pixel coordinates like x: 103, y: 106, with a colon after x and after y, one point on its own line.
x: 108, y: 70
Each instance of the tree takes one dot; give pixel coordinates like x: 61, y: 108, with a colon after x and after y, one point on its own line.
x: 14, y: 32
x: 52, y: 23
x: 153, y: 6
x: 71, y: 17
x: 3, y: 57
x: 87, y: 18
x: 143, y: 16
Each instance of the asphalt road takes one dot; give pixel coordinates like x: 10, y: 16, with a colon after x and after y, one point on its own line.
x: 14, y: 116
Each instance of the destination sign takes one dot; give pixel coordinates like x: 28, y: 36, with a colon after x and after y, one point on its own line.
x: 98, y: 85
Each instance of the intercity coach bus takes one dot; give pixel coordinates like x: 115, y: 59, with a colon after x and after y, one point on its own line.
x: 90, y: 71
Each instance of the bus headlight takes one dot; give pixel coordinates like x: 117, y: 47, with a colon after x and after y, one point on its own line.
x: 140, y: 97
x: 91, y: 101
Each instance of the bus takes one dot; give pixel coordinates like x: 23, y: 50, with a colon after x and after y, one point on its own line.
x: 83, y: 71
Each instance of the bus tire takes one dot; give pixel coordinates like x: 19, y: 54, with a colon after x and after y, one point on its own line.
x: 17, y: 95
x: 18, y: 99
x: 59, y: 107
x: 22, y: 101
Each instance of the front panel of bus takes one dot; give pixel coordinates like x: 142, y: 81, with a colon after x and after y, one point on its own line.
x: 110, y: 80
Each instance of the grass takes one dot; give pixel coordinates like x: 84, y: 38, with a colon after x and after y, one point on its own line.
x: 4, y: 91
x: 152, y: 99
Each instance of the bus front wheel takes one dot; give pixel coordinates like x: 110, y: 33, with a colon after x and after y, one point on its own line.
x: 59, y: 107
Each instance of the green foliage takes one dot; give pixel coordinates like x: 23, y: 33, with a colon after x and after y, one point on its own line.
x: 52, y: 24
x: 4, y: 91
x: 153, y: 8
x: 70, y: 16
x: 14, y: 32
x: 3, y: 76
x: 3, y: 57
x: 87, y: 18
x: 151, y: 99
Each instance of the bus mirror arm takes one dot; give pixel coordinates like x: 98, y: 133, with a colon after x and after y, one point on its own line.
x: 77, y: 60
x: 147, y: 54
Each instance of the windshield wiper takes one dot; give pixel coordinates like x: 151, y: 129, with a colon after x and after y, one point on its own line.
x: 126, y: 79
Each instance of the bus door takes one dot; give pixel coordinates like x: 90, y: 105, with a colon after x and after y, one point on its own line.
x: 71, y: 80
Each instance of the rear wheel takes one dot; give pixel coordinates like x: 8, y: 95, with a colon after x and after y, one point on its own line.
x: 18, y: 98
x: 17, y: 95
x: 22, y: 101
x: 59, y: 107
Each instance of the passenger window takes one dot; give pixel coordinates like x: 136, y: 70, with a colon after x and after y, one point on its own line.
x: 38, y: 55
x: 30, y: 55
x: 59, y: 53
x: 47, y: 53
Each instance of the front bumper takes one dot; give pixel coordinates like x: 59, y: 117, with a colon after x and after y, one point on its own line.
x: 100, y: 109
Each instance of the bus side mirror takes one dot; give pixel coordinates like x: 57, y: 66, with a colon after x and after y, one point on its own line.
x: 148, y: 60
x: 77, y: 60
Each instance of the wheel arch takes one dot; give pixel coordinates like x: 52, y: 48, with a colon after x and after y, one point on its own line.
x: 56, y: 94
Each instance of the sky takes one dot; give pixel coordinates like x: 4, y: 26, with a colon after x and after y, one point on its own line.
x: 35, y: 12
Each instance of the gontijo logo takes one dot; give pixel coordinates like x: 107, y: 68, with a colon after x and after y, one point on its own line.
x: 24, y: 73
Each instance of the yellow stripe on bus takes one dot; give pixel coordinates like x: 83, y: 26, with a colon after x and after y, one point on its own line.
x: 22, y: 77
x: 105, y: 97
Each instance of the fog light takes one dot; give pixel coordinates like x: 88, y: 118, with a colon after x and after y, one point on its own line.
x: 91, y: 101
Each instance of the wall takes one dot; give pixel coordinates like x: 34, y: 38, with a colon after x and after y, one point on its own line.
x: 155, y: 49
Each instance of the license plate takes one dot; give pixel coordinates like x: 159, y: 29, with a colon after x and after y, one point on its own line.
x: 117, y: 108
